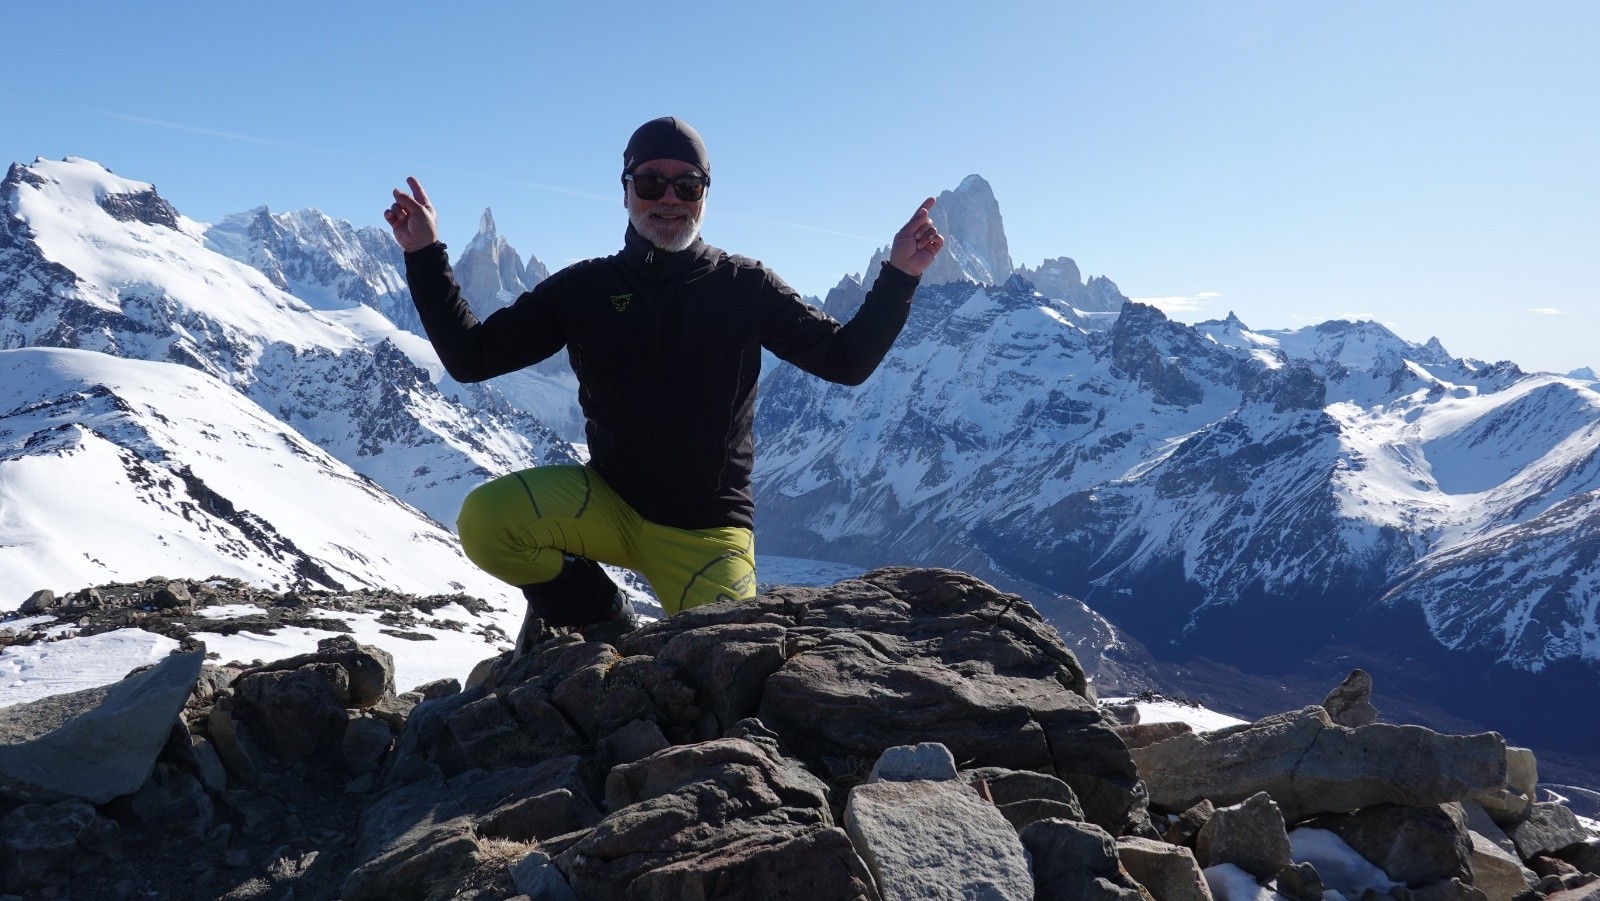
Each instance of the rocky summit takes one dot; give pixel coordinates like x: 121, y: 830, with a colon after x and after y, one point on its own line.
x: 912, y: 734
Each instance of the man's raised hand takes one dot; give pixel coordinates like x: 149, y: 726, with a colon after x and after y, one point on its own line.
x: 917, y: 243
x: 412, y: 218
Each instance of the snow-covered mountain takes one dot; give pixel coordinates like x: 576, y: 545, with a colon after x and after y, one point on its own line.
x: 1258, y: 499
x: 326, y: 262
x: 115, y: 469
x: 1170, y: 475
x: 93, y: 261
x: 490, y: 270
x: 1262, y: 498
x: 975, y: 247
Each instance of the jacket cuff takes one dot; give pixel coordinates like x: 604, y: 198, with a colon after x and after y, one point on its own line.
x: 434, y: 251
x: 894, y: 272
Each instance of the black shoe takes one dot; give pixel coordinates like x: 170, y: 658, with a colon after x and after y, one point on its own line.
x: 581, y: 598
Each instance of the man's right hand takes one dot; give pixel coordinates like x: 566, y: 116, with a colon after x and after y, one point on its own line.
x: 412, y: 218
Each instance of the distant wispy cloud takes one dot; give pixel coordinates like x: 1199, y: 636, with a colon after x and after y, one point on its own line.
x: 587, y: 195
x: 1182, y: 304
x: 809, y: 228
x: 209, y: 132
x: 1548, y: 311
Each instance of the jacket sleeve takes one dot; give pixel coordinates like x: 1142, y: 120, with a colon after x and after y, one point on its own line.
x: 810, y: 339
x: 510, y: 338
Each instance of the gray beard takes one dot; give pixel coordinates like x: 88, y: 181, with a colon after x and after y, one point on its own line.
x: 669, y: 237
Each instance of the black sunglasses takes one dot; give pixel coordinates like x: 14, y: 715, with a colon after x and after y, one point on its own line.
x: 689, y: 188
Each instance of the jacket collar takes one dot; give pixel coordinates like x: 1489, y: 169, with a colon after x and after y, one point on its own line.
x: 654, y: 263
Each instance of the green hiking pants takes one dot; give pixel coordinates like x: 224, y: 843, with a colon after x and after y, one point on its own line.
x: 517, y: 527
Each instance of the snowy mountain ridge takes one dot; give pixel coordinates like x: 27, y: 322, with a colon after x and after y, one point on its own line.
x: 92, y: 261
x: 1235, y: 464
x: 109, y: 467
x: 1209, y: 487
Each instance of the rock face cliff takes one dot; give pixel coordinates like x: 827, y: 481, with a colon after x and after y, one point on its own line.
x: 914, y: 734
x: 975, y: 237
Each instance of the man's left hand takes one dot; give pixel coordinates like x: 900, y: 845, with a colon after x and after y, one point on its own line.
x: 916, y: 244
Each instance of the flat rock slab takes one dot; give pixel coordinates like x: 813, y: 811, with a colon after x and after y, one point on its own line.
x: 1170, y: 872
x: 1310, y: 765
x: 95, y: 744
x: 932, y: 840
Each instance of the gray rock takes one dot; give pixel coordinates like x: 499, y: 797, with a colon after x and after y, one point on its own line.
x: 173, y: 596
x: 302, y: 711
x: 38, y: 602
x: 41, y: 845
x: 396, y: 709
x: 1350, y: 703
x: 816, y: 862
x: 1549, y: 826
x: 1418, y: 846
x: 1309, y: 765
x: 1025, y: 797
x: 1448, y: 890
x: 487, y: 734
x: 483, y: 793
x: 94, y: 744
x: 365, y: 743
x: 1546, y: 865
x: 1509, y: 803
x: 1124, y: 714
x: 678, y: 815
x: 782, y: 782
x: 877, y: 667
x: 1590, y: 892
x: 1145, y: 734
x: 635, y: 741
x: 1585, y: 855
x: 236, y: 744
x: 172, y: 804
x: 1076, y: 862
x: 537, y: 877
x: 1249, y: 835
x: 1496, y: 868
x: 552, y: 813
x: 438, y: 688
x: 208, y: 764
x: 895, y: 825
x: 1168, y: 872
x: 429, y: 864
x: 368, y: 670
x: 906, y: 763
x: 728, y: 665
x: 1483, y: 825
x: 1186, y: 828
x: 413, y: 842
x: 1300, y: 882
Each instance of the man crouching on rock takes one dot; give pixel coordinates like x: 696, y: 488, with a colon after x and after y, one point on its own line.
x: 665, y: 337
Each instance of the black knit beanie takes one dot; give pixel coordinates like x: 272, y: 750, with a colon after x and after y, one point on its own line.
x: 666, y: 138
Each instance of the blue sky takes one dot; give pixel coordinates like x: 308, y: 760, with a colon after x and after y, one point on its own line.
x: 1430, y: 165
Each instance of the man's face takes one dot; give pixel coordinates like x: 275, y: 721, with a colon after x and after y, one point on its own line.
x: 667, y: 222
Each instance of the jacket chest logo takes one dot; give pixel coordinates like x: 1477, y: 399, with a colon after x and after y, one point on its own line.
x: 620, y: 301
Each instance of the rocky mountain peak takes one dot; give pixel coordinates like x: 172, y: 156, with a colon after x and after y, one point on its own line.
x: 975, y: 247
x: 487, y: 236
x: 491, y: 272
x: 1061, y: 279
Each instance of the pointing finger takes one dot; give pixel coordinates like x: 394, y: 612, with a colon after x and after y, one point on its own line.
x: 406, y: 203
x: 416, y: 190
x: 919, y: 218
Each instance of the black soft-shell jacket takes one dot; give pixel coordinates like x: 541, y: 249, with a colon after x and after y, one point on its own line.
x: 667, y: 350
